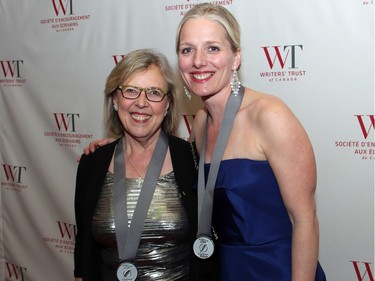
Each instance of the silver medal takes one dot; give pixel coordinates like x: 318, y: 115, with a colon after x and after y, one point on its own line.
x: 203, y: 247
x: 127, y: 272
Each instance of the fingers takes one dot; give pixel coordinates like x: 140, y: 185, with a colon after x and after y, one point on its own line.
x: 94, y: 145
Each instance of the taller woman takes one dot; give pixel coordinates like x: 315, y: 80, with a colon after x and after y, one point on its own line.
x: 264, y: 211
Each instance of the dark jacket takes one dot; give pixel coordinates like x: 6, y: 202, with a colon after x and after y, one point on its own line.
x: 90, y: 177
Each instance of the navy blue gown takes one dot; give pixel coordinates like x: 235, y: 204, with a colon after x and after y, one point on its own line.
x: 252, y: 223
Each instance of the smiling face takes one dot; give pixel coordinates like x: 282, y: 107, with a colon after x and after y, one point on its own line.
x: 142, y: 118
x: 205, y: 57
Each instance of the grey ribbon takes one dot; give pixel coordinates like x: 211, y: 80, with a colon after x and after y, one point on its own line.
x: 128, y: 238
x: 206, y: 191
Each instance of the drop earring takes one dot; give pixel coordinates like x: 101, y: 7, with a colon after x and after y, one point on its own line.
x: 187, y: 93
x: 235, y: 84
x: 115, y: 107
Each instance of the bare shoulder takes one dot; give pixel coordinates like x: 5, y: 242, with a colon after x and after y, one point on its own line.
x: 279, y: 131
x: 261, y: 104
x: 266, y: 110
x: 271, y: 119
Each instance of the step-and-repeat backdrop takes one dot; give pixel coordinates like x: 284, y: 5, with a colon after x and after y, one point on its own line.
x: 318, y: 56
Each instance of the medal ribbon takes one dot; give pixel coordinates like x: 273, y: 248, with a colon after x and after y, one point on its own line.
x: 206, y: 191
x: 128, y: 238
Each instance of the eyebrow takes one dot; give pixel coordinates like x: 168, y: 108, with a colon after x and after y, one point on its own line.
x: 213, y: 42
x: 206, y: 43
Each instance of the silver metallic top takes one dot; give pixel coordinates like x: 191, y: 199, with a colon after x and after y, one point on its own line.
x: 164, y: 247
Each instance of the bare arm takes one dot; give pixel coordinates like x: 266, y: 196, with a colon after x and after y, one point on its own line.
x: 290, y: 154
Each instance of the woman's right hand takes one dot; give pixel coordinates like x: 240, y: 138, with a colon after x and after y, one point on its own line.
x: 94, y: 145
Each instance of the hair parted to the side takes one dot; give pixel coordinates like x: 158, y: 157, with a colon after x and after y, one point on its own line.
x: 131, y: 64
x: 216, y: 13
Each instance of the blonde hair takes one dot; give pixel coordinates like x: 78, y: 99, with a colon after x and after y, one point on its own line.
x: 131, y: 64
x: 216, y: 13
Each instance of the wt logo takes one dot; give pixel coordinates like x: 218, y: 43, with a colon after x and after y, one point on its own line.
x: 117, y: 58
x: 13, y: 173
x: 366, y: 275
x: 12, y: 68
x: 63, y: 6
x: 67, y: 230
x: 66, y: 121
x: 366, y: 131
x: 15, y: 272
x: 282, y: 55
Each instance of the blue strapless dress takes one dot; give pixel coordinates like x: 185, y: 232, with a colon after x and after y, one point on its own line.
x: 252, y: 223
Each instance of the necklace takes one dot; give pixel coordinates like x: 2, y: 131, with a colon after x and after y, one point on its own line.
x: 140, y: 179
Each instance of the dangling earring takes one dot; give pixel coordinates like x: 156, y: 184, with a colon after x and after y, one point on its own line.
x: 115, y: 107
x: 235, y: 84
x: 187, y: 93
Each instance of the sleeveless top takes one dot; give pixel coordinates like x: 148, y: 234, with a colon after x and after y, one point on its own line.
x: 253, y: 227
x: 163, y: 253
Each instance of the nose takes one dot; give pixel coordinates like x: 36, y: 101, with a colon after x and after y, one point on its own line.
x: 141, y: 101
x: 199, y: 59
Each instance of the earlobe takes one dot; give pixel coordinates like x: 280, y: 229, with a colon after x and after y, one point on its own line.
x: 115, y: 105
x: 237, y: 60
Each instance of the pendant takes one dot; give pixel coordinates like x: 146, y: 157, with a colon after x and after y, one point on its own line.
x: 127, y: 271
x: 203, y: 247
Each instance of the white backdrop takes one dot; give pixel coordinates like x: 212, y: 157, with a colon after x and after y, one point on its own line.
x: 55, y: 55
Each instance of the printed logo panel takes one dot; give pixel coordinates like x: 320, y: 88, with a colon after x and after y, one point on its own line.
x: 12, y: 177
x: 67, y: 133
x: 63, y: 16
x: 282, y: 63
x: 11, y: 73
x: 364, y: 145
x: 64, y: 240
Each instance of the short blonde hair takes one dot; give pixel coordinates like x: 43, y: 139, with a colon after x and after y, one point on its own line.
x: 216, y: 13
x: 131, y: 64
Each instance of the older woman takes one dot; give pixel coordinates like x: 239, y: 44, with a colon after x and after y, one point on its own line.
x: 135, y: 209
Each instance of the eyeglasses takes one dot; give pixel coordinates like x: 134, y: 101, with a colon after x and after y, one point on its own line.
x: 152, y: 94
